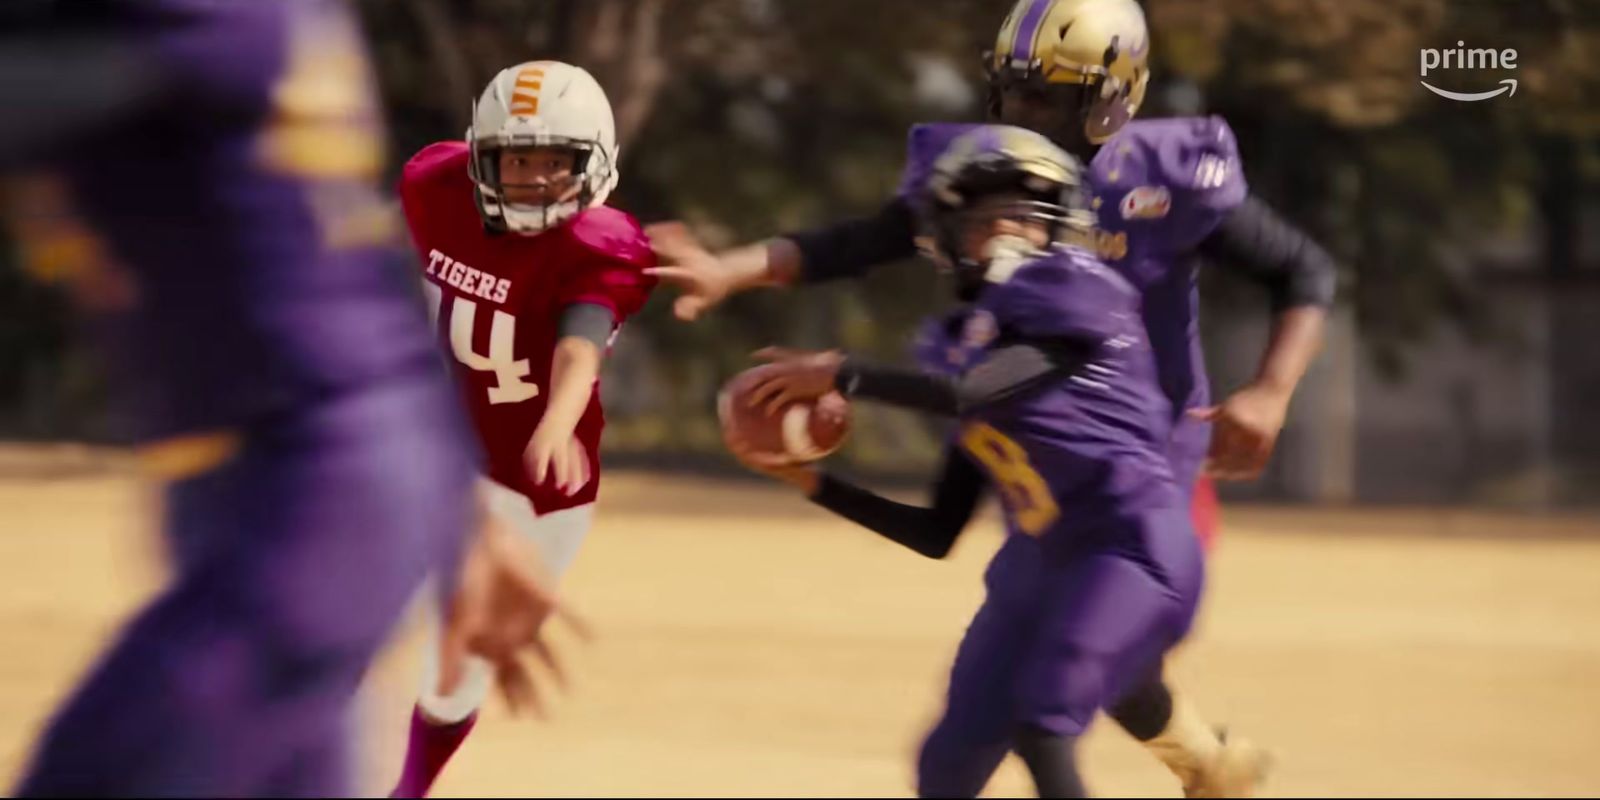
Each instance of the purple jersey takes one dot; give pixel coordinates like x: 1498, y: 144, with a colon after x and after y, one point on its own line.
x: 239, y: 212
x: 1159, y: 187
x: 238, y: 262
x: 1084, y: 453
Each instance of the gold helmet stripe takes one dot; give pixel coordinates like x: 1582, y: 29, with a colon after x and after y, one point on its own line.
x: 525, y: 91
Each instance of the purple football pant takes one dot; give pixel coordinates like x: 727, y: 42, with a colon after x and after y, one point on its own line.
x: 293, y: 562
x: 1060, y: 636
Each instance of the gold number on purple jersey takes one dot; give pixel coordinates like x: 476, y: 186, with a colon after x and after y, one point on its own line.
x: 1026, y: 494
x: 325, y: 122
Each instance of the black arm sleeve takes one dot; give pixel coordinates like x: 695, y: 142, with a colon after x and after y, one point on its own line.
x: 1256, y: 241
x: 1008, y: 371
x: 929, y: 531
x: 851, y: 248
x: 590, y: 321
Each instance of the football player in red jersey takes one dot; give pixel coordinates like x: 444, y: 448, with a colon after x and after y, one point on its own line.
x: 529, y: 276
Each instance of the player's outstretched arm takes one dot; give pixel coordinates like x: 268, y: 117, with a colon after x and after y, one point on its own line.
x: 553, y: 452
x: 1006, y: 371
x: 842, y: 250
x: 1300, y: 278
x: 930, y: 531
x: 499, y: 606
x: 705, y: 279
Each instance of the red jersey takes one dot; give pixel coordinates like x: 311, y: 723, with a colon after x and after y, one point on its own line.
x: 497, y: 300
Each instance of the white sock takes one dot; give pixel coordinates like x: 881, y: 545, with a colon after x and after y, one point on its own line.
x: 1187, y: 744
x: 468, y: 697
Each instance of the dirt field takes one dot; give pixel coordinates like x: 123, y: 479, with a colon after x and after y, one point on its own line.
x: 752, y: 646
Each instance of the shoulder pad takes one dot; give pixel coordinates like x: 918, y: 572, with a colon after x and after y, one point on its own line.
x: 1068, y: 294
x: 440, y: 160
x: 612, y: 234
x: 1176, y: 178
x: 1195, y: 156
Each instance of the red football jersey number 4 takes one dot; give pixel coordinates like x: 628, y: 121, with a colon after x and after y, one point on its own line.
x: 509, y: 370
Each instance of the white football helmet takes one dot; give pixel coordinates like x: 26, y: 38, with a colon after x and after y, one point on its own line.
x: 542, y: 103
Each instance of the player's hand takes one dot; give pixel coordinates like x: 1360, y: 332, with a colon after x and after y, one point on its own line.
x: 1245, y: 430
x: 794, y: 375
x: 686, y: 264
x: 500, y: 609
x: 558, y: 458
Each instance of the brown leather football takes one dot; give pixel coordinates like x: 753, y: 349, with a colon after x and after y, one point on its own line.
x: 799, y: 432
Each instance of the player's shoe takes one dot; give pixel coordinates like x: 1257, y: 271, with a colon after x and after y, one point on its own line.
x: 1237, y: 770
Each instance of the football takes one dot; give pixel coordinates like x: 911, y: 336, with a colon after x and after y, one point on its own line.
x: 800, y: 431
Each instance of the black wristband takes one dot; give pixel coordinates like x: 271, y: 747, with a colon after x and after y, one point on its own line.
x: 848, y: 378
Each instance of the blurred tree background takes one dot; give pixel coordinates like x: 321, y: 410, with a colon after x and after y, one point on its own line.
x: 748, y: 117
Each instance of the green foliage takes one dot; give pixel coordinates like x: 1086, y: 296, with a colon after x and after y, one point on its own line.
x: 748, y: 117
x: 1403, y: 186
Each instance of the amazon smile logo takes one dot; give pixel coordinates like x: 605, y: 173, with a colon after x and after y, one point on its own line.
x: 1460, y: 57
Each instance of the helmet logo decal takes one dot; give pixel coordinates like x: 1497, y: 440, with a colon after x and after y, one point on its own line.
x: 525, y: 95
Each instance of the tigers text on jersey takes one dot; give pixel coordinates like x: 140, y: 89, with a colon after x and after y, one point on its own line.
x: 497, y: 299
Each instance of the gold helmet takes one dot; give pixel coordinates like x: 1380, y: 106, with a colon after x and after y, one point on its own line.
x: 1101, y: 45
x: 1046, y: 185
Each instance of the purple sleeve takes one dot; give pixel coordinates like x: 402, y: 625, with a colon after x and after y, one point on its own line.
x: 1068, y: 296
x: 1199, y: 159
